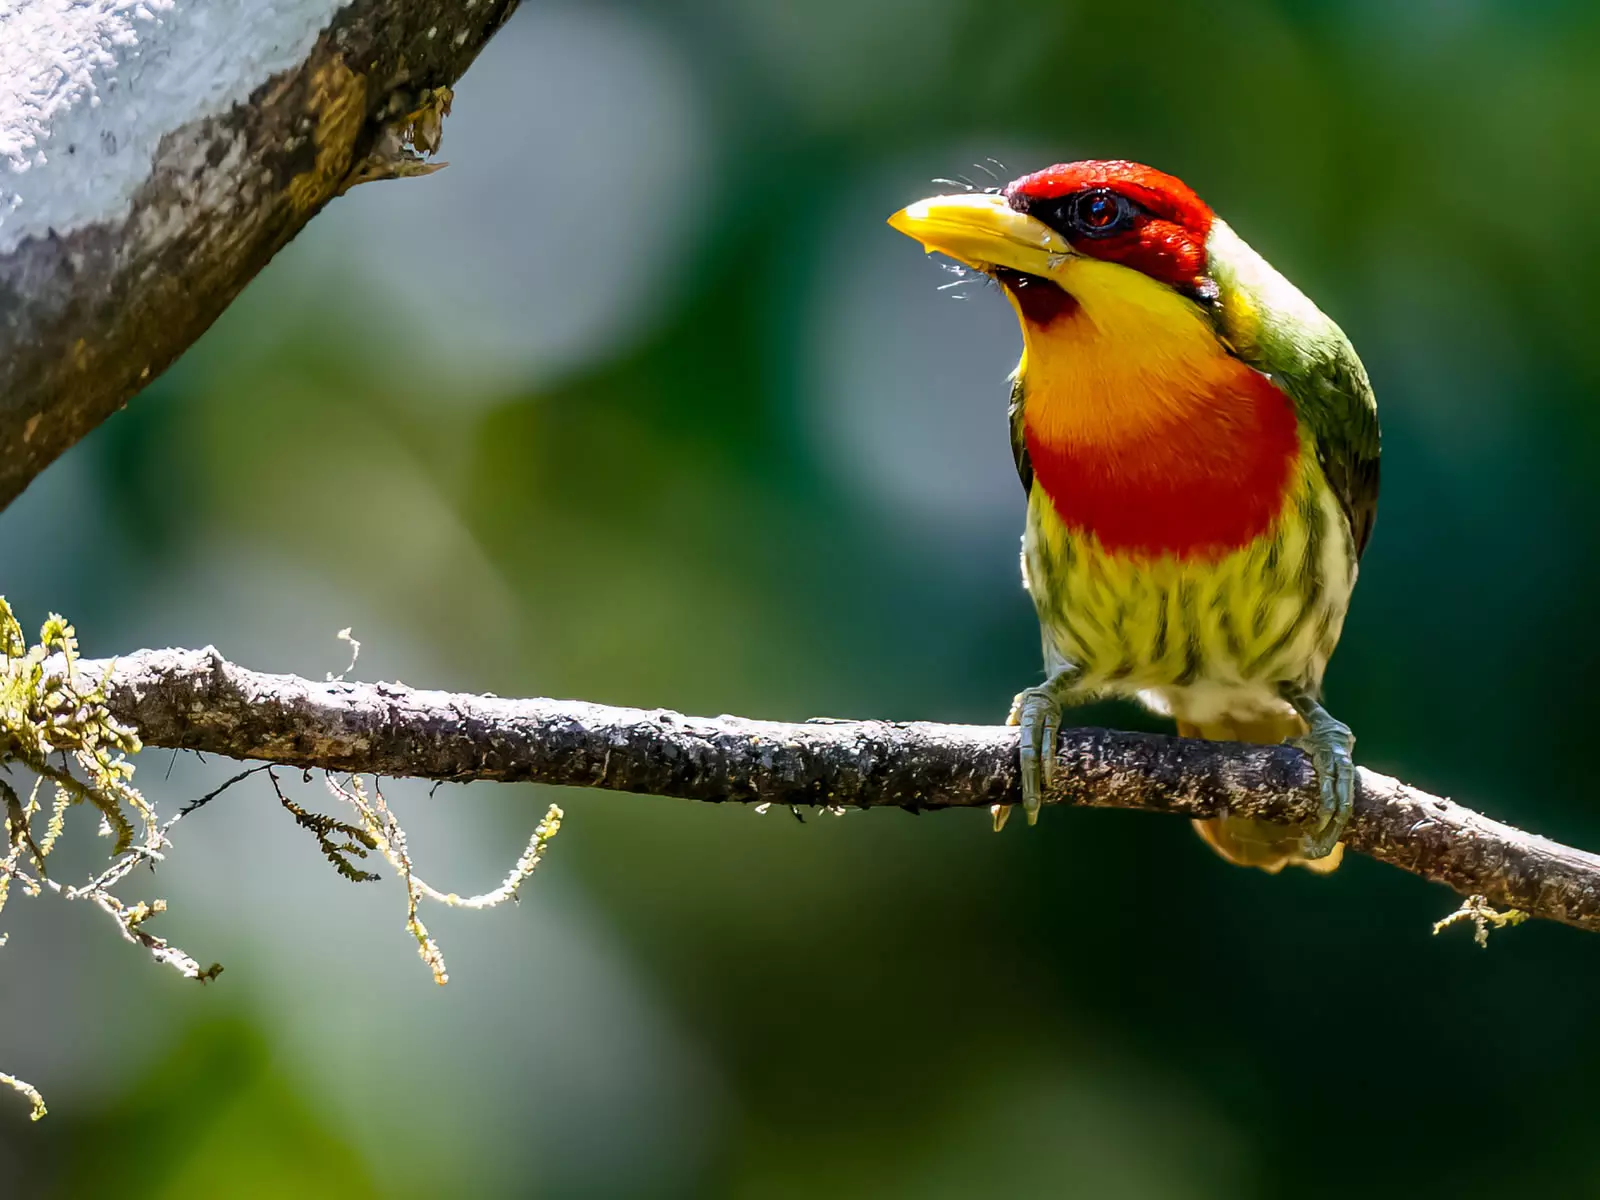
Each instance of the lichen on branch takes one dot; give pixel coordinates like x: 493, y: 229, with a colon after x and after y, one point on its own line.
x: 54, y: 723
x: 49, y: 720
x: 381, y: 831
x: 57, y: 725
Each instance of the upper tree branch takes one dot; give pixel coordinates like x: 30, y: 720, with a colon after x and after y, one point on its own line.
x: 154, y: 157
x: 194, y: 699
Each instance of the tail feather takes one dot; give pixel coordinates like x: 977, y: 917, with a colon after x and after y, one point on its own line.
x: 1248, y: 843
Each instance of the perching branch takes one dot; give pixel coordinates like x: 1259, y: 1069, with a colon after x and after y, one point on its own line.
x: 196, y: 700
x: 154, y: 157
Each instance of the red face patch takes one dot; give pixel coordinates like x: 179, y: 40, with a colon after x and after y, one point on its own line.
x: 1124, y: 213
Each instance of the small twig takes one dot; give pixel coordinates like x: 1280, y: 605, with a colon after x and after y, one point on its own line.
x: 344, y: 635
x: 217, y: 791
x: 358, y: 842
x: 1477, y: 910
x: 28, y: 1092
x: 130, y: 920
x: 511, y: 885
x: 388, y: 837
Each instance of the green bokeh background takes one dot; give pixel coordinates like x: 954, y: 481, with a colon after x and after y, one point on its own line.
x: 641, y: 402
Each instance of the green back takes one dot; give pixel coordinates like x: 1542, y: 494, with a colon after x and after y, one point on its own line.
x: 1270, y: 324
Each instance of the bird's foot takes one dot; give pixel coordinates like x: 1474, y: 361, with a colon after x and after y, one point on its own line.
x: 1036, y: 711
x: 1330, y: 745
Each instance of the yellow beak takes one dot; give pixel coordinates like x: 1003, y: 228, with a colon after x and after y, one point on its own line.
x: 981, y: 230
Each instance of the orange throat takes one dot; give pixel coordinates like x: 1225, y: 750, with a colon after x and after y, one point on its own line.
x: 1142, y: 429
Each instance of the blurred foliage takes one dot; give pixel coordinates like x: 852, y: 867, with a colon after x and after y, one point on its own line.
x: 216, y: 1117
x: 640, y: 402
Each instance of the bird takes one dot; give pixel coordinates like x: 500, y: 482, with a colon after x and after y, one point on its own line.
x: 1198, y: 444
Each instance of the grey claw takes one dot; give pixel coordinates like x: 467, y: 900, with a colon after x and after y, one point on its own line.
x: 1039, y: 715
x: 1330, y: 749
x: 1051, y: 738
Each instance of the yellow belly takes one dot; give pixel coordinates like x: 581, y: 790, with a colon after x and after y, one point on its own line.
x: 1202, y: 639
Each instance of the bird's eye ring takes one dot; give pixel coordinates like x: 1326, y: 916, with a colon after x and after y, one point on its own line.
x: 1099, y: 212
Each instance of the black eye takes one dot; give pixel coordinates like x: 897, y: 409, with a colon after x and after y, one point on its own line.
x: 1099, y: 213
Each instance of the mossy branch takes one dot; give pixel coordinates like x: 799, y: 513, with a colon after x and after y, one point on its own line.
x: 196, y: 699
x: 56, y: 724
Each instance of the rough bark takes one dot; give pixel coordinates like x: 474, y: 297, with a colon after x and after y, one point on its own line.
x: 195, y: 699
x: 153, y: 158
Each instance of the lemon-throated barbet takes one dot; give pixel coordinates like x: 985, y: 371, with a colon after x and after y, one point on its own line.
x: 1199, y: 448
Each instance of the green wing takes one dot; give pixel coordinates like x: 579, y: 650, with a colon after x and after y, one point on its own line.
x: 1270, y: 324
x: 1019, y: 441
x: 1335, y: 401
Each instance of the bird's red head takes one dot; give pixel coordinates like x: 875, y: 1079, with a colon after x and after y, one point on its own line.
x: 1140, y: 423
x: 1126, y: 213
